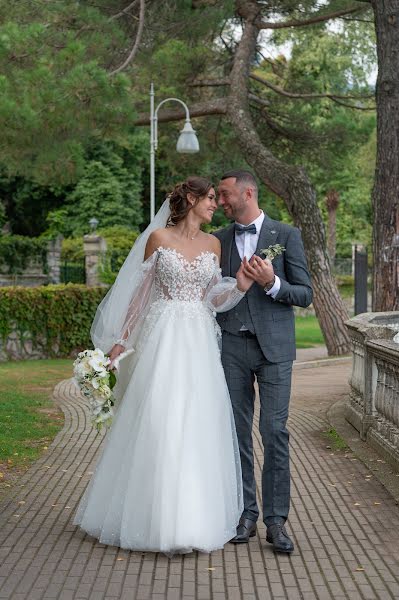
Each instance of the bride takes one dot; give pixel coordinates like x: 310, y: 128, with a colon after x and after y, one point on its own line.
x: 169, y: 476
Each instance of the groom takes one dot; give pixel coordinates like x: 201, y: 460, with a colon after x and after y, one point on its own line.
x: 259, y: 341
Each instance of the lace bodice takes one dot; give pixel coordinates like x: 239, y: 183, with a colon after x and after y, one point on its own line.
x: 168, y: 278
x: 177, y: 278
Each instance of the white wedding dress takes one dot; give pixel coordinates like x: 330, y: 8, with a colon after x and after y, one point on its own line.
x: 169, y: 477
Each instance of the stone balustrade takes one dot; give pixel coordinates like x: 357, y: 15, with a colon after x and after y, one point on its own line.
x: 373, y: 406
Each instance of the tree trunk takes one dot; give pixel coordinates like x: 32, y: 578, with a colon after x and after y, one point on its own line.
x: 291, y: 184
x: 332, y: 202
x: 386, y: 185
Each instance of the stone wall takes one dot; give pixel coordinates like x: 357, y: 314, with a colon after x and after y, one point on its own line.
x: 34, y: 274
x: 373, y: 406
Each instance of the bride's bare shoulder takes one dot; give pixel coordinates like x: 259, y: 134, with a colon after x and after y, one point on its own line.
x: 213, y: 244
x: 156, y: 239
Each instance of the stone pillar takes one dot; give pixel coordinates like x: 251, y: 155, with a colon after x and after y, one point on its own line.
x: 94, y: 247
x: 54, y: 259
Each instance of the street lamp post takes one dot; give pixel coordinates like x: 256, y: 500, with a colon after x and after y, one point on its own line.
x: 186, y: 144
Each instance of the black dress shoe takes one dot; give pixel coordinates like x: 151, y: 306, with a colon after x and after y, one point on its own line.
x: 278, y: 536
x: 245, y: 530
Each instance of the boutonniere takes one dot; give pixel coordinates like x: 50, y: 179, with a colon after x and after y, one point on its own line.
x: 272, y: 251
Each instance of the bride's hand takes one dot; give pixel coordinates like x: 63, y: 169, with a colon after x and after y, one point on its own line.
x: 243, y: 281
x: 114, y: 353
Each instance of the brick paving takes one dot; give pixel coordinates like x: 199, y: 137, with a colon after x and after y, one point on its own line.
x: 345, y: 525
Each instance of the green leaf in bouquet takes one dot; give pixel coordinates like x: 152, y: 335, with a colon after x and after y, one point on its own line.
x: 112, y: 379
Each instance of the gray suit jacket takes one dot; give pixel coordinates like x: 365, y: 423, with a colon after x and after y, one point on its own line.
x: 273, y: 320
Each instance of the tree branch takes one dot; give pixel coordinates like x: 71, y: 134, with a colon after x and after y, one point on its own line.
x: 136, y: 43
x: 311, y: 21
x: 124, y: 11
x: 295, y: 95
x: 259, y: 101
x: 210, y: 82
x: 212, y: 107
x: 355, y: 106
x: 284, y: 131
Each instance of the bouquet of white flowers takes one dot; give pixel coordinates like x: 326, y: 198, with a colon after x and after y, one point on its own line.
x: 96, y: 383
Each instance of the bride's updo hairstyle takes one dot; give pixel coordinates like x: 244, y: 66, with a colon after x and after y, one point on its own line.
x: 178, y: 201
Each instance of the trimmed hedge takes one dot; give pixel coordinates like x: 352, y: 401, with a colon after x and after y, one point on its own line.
x: 54, y: 319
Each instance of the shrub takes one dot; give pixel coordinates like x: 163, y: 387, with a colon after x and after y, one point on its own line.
x: 18, y: 251
x: 119, y: 240
x: 60, y: 323
x: 347, y: 280
x: 72, y: 250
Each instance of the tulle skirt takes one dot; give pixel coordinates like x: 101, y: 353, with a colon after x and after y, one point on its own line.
x: 168, y: 477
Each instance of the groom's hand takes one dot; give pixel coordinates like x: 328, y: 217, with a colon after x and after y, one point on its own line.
x: 259, y: 270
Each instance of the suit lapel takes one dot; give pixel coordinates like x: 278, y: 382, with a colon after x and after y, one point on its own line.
x: 268, y: 234
x: 226, y: 250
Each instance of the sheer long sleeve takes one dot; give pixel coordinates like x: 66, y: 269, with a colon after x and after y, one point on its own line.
x: 139, y: 303
x: 222, y: 293
x: 124, y: 308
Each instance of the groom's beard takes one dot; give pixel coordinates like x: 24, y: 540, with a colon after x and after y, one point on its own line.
x: 234, y: 213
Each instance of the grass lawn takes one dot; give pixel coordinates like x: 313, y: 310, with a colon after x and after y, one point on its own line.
x: 308, y: 333
x: 29, y: 418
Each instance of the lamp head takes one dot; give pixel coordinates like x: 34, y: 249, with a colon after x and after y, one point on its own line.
x: 93, y: 222
x: 188, y: 141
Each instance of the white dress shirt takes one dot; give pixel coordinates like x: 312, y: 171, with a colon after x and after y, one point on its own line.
x: 247, y: 243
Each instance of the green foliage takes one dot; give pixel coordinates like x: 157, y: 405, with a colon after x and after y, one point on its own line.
x: 330, y: 140
x: 55, y: 87
x: 119, y: 238
x: 345, y: 280
x: 119, y: 243
x: 17, y: 252
x: 109, y: 189
x: 69, y: 125
x: 60, y: 324
x: 3, y: 217
x: 98, y: 194
x: 72, y: 250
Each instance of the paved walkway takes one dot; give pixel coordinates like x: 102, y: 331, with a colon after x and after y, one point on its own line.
x: 344, y: 524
